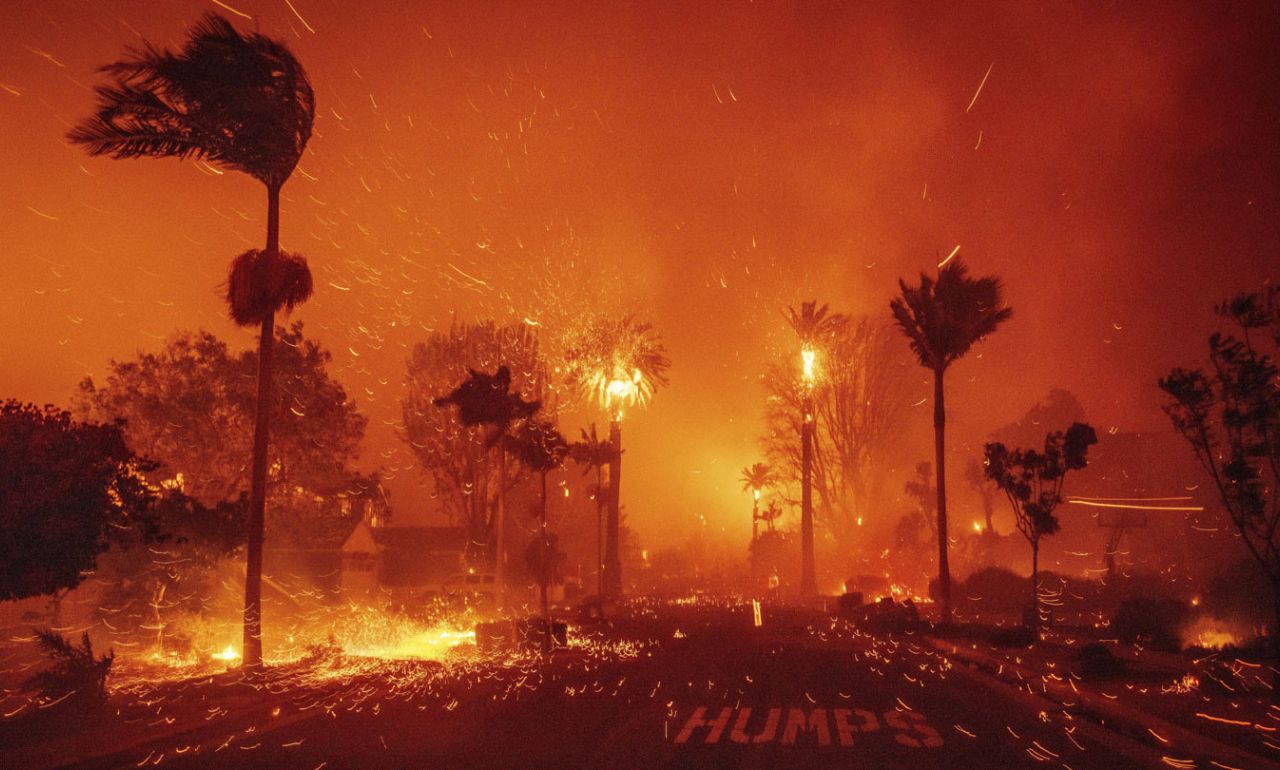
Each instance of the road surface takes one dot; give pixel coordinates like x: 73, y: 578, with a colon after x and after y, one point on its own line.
x: 703, y: 688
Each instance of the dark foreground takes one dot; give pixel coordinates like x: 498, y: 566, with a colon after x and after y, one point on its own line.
x: 700, y: 687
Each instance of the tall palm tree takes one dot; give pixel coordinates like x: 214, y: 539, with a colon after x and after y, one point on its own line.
x: 594, y: 453
x: 244, y: 103
x: 942, y: 318
x: 618, y: 363
x: 815, y: 327
x: 755, y: 479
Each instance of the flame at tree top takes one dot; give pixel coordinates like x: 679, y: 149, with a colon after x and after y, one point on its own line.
x: 808, y: 357
x: 616, y: 363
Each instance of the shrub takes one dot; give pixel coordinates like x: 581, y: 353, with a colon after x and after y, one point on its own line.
x: 1153, y: 622
x: 1016, y: 636
x: 993, y: 592
x: 1232, y: 594
x: 76, y: 674
x: 1096, y: 661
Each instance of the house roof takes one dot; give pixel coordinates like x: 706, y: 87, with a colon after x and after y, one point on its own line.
x: 420, y: 539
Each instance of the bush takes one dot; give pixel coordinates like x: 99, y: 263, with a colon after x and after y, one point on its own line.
x: 1232, y: 594
x: 993, y: 593
x: 76, y: 674
x: 1096, y: 661
x: 1016, y: 636
x: 1153, y: 622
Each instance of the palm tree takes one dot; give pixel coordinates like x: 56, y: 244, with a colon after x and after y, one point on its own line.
x: 815, y: 327
x: 487, y: 400
x: 617, y: 363
x: 942, y: 318
x: 591, y: 452
x: 755, y: 479
x: 242, y: 102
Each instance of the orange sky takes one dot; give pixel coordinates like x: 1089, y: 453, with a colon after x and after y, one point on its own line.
x: 712, y: 162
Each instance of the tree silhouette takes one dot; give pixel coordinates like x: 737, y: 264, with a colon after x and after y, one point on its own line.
x: 976, y: 475
x: 756, y: 477
x: 243, y: 102
x: 942, y: 318
x: 1032, y: 482
x: 1231, y: 418
x: 813, y: 324
x: 486, y: 400
x: 771, y: 514
x: 190, y: 405
x: 68, y: 490
x: 541, y: 448
x: 920, y: 488
x: 467, y: 471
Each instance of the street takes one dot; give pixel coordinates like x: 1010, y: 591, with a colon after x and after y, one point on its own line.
x: 704, y: 689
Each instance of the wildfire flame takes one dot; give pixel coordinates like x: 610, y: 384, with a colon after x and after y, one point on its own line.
x: 229, y: 654
x: 809, y: 357
x: 621, y: 391
x: 1210, y: 633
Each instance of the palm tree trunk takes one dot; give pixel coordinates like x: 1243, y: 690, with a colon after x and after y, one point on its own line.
x: 939, y: 442
x: 755, y: 521
x: 599, y: 533
x: 612, y: 564
x: 808, y: 579
x: 1109, y: 552
x: 500, y: 537
x: 252, y: 643
x: 542, y: 568
x: 1035, y: 588
x: 1275, y: 642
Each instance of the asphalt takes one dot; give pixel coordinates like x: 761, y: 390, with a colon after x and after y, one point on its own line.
x: 705, y: 689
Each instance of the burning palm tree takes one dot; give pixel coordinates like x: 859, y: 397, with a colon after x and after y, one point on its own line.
x: 618, y: 364
x: 755, y: 479
x: 942, y: 318
x: 815, y: 327
x: 242, y: 102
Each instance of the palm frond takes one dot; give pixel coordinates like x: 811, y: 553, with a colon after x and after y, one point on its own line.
x: 814, y: 324
x: 241, y: 101
x: 608, y: 351
x: 943, y: 318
